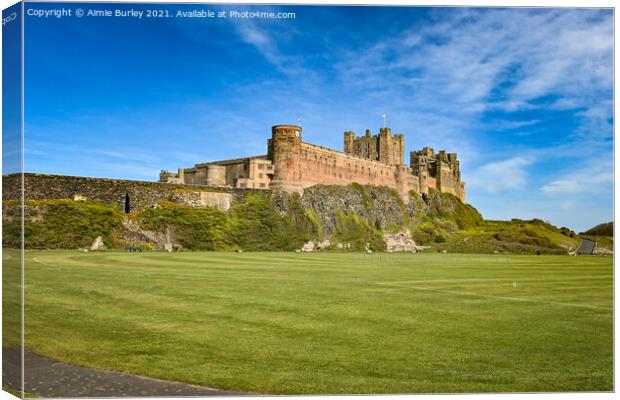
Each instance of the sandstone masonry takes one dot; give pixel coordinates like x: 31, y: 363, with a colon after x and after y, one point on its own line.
x: 292, y: 165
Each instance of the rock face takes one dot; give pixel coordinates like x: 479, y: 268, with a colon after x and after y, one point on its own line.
x: 312, y: 245
x: 382, y: 207
x: 601, y: 251
x: 132, y: 233
x: 97, y: 244
x: 400, y: 241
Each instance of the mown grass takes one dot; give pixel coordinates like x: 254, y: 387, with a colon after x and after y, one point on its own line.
x: 287, y: 323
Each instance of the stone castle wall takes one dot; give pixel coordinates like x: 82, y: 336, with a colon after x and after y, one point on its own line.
x: 249, y: 172
x: 136, y: 194
x: 299, y: 165
x: 292, y: 165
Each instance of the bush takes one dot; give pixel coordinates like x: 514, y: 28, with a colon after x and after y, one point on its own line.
x: 351, y: 228
x: 252, y: 224
x: 60, y: 224
x: 196, y: 229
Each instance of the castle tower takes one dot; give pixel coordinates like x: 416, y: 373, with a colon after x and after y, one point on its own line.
x: 216, y: 175
x: 284, y: 151
x: 349, y: 142
x: 398, y: 150
x: 385, y: 146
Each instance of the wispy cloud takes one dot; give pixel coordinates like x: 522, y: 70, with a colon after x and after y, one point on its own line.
x: 501, y: 176
x: 471, y: 63
x: 593, y: 178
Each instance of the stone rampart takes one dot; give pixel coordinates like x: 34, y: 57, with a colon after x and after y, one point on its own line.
x: 320, y: 165
x: 128, y: 195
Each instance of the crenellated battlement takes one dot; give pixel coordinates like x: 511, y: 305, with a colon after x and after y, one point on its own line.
x: 385, y: 148
x: 440, y: 171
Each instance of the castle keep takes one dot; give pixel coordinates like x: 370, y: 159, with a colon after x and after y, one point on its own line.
x: 292, y: 165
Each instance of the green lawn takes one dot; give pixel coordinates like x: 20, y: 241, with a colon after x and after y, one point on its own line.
x: 287, y: 323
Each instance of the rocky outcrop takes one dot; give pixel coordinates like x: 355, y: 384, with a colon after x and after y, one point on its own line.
x: 132, y: 233
x: 97, y: 244
x: 601, y: 251
x: 401, y: 241
x: 312, y: 245
x: 380, y: 206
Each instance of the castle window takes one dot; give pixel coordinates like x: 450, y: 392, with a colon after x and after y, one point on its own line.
x: 261, y: 176
x: 261, y: 166
x: 262, y: 185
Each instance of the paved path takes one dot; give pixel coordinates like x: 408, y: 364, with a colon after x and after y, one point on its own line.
x: 587, y: 246
x: 49, y: 378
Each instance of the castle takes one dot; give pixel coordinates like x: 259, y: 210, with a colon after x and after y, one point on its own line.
x: 292, y: 165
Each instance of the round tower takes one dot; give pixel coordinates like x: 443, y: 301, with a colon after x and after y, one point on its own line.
x: 285, y: 155
x: 216, y: 175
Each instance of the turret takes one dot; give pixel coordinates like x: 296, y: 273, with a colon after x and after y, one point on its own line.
x: 285, y: 153
x: 349, y: 142
x: 385, y: 146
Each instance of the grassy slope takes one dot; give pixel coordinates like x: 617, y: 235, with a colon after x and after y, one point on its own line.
x: 320, y: 323
x: 511, y: 236
x: 448, y: 224
x: 606, y: 229
x: 606, y: 242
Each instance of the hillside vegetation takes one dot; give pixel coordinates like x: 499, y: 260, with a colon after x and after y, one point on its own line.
x: 353, y: 217
x: 606, y: 229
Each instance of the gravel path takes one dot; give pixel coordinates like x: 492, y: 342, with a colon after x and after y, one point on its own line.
x: 49, y: 378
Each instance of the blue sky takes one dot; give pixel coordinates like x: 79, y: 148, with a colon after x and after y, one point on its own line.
x: 524, y: 96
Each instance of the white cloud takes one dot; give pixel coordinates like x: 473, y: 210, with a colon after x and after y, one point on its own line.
x: 501, y: 176
x: 479, y: 60
x: 590, y: 179
x: 594, y: 176
x: 269, y: 42
x: 563, y: 186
